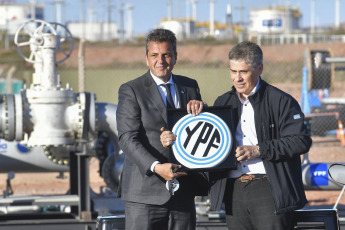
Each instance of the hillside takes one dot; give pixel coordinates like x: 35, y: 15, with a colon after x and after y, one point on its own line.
x: 195, y: 55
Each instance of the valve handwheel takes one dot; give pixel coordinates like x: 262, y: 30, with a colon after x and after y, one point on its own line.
x: 65, y: 36
x: 35, y: 30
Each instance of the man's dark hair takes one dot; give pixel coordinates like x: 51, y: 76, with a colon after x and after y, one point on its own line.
x: 247, y: 51
x: 161, y: 35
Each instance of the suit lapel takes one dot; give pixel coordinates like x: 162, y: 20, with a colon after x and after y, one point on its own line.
x: 154, y: 95
x: 180, y: 91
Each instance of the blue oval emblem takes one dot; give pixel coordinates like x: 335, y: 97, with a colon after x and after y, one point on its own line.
x: 203, y: 141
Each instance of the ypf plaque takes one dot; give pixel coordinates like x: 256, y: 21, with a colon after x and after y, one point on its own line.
x: 204, y: 142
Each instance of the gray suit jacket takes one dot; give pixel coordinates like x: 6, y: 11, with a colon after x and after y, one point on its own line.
x: 140, y: 115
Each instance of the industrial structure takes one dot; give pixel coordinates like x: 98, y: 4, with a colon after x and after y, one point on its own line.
x: 190, y: 28
x: 94, y: 31
x: 13, y: 15
x: 265, y: 23
x: 275, y: 20
x: 47, y: 114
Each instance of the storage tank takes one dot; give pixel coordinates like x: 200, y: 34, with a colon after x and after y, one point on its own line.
x: 175, y: 26
x: 12, y: 16
x: 274, y: 20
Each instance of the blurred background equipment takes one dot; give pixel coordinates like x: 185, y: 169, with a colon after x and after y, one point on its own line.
x: 63, y: 123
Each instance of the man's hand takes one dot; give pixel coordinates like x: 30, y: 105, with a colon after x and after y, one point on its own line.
x: 195, y: 107
x: 246, y: 152
x: 166, y: 171
x: 167, y: 137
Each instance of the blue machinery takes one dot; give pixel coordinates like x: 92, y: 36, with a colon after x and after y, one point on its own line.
x: 330, y: 175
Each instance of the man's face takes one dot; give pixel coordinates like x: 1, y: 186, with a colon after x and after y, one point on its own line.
x: 161, y: 59
x: 244, y: 77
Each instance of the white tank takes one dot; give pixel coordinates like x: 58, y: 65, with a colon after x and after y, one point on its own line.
x: 274, y: 20
x: 175, y: 26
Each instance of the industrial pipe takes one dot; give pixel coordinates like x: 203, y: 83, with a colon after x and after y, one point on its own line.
x: 317, y: 176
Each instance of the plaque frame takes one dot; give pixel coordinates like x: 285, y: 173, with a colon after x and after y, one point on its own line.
x: 228, y: 115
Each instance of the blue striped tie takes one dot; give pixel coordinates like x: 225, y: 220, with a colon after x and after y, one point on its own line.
x: 170, y: 101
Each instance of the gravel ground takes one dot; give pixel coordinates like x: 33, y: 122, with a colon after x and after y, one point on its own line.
x: 48, y: 183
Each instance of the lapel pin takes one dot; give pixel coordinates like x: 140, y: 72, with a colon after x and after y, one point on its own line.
x: 182, y: 91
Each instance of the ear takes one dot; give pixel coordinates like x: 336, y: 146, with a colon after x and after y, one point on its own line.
x: 261, y: 68
x: 147, y: 60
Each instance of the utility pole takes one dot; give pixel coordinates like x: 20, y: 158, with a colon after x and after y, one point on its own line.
x: 109, y: 20
x: 169, y: 10
x: 33, y: 9
x: 194, y: 2
x: 59, y: 4
x: 312, y: 16
x: 178, y: 9
x: 121, y: 22
x: 83, y: 19
x: 229, y: 20
x: 187, y: 19
x: 240, y: 8
x: 212, y: 17
x: 7, y: 42
x: 129, y: 21
x: 337, y: 14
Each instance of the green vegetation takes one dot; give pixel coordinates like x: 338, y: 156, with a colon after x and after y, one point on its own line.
x: 213, y: 81
x: 279, y: 72
x: 105, y: 82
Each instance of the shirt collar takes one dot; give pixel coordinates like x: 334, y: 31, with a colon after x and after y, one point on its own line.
x: 159, y: 81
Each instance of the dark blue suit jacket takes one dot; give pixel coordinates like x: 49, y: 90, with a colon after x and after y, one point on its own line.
x: 140, y: 115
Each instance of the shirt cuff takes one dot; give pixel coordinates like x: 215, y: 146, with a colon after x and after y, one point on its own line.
x: 153, y: 165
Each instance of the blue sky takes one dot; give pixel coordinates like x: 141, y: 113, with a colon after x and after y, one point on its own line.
x: 148, y: 13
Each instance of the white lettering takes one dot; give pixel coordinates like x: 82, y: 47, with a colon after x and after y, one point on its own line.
x: 320, y: 173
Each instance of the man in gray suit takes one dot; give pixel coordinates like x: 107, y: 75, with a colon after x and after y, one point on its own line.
x: 141, y: 117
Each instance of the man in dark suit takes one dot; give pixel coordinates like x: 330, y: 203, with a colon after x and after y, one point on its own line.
x: 141, y: 117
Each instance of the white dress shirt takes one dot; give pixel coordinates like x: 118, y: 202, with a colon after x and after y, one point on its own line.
x: 246, y: 135
x: 163, y: 93
x: 163, y: 90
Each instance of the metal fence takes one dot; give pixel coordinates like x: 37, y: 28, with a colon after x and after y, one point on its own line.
x: 320, y: 91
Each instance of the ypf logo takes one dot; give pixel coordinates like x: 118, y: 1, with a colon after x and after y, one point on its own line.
x: 203, y: 141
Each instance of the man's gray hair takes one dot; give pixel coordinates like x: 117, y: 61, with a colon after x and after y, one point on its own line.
x: 161, y: 35
x: 247, y: 51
